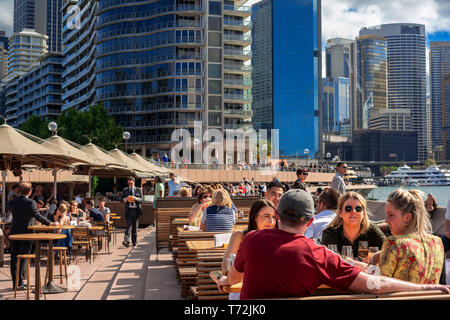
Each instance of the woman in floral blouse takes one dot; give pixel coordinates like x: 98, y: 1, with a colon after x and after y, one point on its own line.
x: 412, y: 253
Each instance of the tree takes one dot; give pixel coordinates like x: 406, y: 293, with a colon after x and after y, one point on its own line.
x: 91, y: 125
x: 36, y: 126
x: 429, y: 162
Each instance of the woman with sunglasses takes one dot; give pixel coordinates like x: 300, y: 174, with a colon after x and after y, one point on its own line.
x: 302, y: 175
x: 203, y: 201
x: 351, y: 225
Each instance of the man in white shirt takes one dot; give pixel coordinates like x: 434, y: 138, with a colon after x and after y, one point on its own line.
x: 174, y: 185
x: 338, y: 182
x: 325, y: 213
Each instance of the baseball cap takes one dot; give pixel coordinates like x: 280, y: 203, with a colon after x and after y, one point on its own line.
x: 296, y: 205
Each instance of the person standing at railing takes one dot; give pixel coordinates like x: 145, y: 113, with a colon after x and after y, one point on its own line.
x: 174, y: 184
x: 338, y: 182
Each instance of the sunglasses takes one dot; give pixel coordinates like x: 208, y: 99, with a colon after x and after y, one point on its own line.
x: 350, y: 208
x: 304, y: 173
x: 344, y: 167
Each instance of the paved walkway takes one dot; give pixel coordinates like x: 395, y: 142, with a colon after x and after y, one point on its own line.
x: 133, y: 273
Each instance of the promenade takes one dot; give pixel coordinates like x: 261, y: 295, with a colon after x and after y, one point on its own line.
x: 133, y: 273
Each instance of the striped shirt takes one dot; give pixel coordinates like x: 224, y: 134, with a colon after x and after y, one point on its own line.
x: 219, y: 219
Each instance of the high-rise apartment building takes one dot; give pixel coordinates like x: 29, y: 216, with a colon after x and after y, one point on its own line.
x: 439, y: 67
x: 3, y: 62
x: 372, y: 78
x: 161, y: 65
x: 39, y: 90
x: 407, y: 86
x: 25, y: 49
x: 336, y: 106
x: 287, y: 69
x: 445, y: 85
x: 4, y: 39
x: 44, y: 16
x: 79, y: 55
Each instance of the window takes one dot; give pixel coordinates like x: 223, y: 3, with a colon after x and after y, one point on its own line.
x: 215, y: 70
x: 215, y: 87
x: 214, y: 39
x: 215, y: 23
x: 215, y: 8
x: 214, y: 103
x: 215, y: 55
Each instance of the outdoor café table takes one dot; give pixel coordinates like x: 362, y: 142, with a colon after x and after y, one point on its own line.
x: 203, y: 246
x: 50, y: 287
x: 115, y: 217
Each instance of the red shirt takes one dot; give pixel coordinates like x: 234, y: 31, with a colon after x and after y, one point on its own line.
x: 278, y: 264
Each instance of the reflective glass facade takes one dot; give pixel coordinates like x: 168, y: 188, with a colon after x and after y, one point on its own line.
x: 372, y: 77
x: 296, y: 73
x: 336, y: 106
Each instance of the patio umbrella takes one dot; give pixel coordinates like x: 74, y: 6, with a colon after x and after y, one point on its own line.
x: 147, y: 164
x: 19, y: 148
x: 140, y: 170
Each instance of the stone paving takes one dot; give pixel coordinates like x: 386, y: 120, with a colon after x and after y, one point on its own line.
x: 134, y: 273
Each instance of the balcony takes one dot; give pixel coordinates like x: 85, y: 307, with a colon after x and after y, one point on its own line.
x: 237, y: 68
x: 238, y: 54
x: 156, y: 107
x: 236, y: 97
x: 237, y: 82
x: 244, y: 125
x: 243, y: 11
x: 237, y: 39
x: 239, y: 25
x: 238, y: 112
x: 157, y: 123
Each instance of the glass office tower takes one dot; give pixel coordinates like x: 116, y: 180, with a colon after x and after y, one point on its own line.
x: 372, y: 77
x: 336, y: 106
x: 407, y: 87
x: 161, y: 65
x: 439, y: 67
x: 287, y: 72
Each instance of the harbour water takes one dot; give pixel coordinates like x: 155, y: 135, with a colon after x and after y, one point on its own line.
x: 441, y: 193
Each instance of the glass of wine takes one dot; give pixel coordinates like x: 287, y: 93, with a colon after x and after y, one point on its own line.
x: 363, y: 250
x: 372, y: 251
x: 347, y: 252
x: 334, y: 248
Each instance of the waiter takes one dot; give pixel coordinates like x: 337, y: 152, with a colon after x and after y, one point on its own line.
x: 132, y: 197
x: 23, y: 211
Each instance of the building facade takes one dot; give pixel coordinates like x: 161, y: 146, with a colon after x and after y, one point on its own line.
x: 372, y: 78
x: 439, y: 66
x: 164, y: 65
x: 39, y: 90
x: 445, y: 85
x: 25, y: 49
x: 3, y: 61
x: 390, y: 119
x: 336, y: 106
x: 4, y: 39
x: 383, y: 145
x: 407, y: 86
x: 44, y: 16
x: 288, y: 95
x: 79, y: 55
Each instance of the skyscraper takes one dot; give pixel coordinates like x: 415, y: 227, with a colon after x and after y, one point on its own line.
x: 79, y: 61
x: 174, y: 62
x: 439, y: 67
x: 336, y: 106
x: 287, y: 71
x: 445, y: 85
x: 44, y: 16
x: 372, y: 78
x: 4, y: 39
x: 407, y: 87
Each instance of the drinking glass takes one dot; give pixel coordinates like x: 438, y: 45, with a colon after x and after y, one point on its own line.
x: 372, y: 251
x: 334, y: 248
x: 347, y: 252
x: 363, y: 250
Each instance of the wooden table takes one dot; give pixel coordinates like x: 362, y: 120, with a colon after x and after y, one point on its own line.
x: 115, y: 217
x: 49, y: 287
x: 203, y: 245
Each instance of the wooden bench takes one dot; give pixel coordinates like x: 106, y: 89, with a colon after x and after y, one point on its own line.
x: 187, y: 278
x: 206, y: 287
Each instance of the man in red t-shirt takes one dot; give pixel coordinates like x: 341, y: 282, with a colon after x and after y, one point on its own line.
x: 284, y: 263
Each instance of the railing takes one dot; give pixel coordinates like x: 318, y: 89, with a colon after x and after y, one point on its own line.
x: 157, y: 123
x: 247, y: 9
x: 238, y: 112
x: 237, y: 82
x: 157, y: 107
x: 231, y: 96
x: 236, y: 37
x: 237, y: 67
x: 237, y: 23
x: 234, y: 52
x: 123, y: 93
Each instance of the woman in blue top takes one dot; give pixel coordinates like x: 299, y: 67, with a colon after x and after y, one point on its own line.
x: 219, y: 216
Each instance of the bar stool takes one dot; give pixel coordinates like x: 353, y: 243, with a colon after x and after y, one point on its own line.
x: 27, y: 258
x: 62, y: 255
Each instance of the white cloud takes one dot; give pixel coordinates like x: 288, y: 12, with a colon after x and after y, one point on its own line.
x: 7, y: 15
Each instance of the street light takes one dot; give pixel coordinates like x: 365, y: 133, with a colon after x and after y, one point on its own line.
x: 53, y: 127
x: 306, y: 152
x: 126, y: 136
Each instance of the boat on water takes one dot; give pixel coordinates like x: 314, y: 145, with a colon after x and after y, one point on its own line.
x: 431, y: 176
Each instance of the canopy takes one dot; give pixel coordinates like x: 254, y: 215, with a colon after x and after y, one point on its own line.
x: 138, y: 169
x: 147, y: 164
x: 61, y: 145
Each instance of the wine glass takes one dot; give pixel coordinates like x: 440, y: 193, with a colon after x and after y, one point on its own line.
x: 347, y: 252
x: 372, y: 251
x: 334, y: 248
x: 363, y: 250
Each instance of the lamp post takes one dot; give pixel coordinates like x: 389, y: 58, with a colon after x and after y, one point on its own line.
x: 306, y: 152
x: 53, y: 127
x: 126, y: 136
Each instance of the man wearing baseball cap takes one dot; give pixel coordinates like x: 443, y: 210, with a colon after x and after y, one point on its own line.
x: 280, y: 263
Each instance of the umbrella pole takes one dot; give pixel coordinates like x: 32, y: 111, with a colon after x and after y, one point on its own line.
x: 55, y: 188
x: 89, y: 189
x: 4, y: 194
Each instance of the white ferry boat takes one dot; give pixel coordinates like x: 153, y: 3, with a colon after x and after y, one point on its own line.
x: 431, y: 176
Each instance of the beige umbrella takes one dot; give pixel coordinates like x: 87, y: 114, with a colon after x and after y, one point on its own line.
x: 138, y: 169
x: 19, y: 148
x: 147, y: 164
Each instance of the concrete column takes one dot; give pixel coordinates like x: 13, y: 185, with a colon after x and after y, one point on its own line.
x: 71, y: 187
